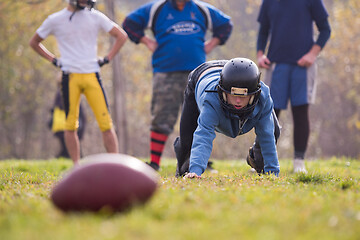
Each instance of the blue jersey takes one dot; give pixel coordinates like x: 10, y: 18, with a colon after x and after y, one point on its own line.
x: 213, y: 118
x: 180, y: 34
x: 289, y: 24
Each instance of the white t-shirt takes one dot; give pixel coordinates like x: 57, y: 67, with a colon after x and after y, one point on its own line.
x: 77, y: 39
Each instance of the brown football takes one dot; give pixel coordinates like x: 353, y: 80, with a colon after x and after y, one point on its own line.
x: 113, y: 181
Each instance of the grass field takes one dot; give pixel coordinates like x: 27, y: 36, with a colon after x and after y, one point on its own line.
x: 233, y: 204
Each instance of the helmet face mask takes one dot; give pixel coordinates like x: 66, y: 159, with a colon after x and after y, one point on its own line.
x: 239, y: 77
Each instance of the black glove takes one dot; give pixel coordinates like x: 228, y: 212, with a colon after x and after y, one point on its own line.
x: 56, y: 63
x: 255, y: 159
x: 103, y: 61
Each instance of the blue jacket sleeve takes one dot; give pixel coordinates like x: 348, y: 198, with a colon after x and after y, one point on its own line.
x: 264, y: 130
x: 204, y: 136
x: 136, y: 22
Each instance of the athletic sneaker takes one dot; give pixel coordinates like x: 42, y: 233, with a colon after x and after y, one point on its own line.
x: 210, y: 168
x: 299, y: 166
x: 155, y: 166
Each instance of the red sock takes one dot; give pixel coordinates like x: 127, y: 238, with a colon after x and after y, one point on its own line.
x: 157, y: 145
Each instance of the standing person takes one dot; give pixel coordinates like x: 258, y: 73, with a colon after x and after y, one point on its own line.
x: 179, y: 28
x: 76, y: 29
x: 226, y: 97
x: 290, y: 60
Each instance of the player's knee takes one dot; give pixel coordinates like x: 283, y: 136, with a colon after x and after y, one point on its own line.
x: 71, y: 124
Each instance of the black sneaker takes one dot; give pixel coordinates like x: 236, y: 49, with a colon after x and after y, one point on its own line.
x: 63, y: 154
x: 210, y: 168
x: 155, y: 166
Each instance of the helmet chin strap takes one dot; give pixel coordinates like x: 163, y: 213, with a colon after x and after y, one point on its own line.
x: 251, y: 99
x: 73, y: 14
x: 224, y: 96
x: 77, y: 8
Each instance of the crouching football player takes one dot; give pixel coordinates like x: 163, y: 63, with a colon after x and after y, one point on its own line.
x: 226, y: 97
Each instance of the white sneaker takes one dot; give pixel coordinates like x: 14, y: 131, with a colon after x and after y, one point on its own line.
x: 210, y: 168
x: 252, y: 171
x: 299, y: 166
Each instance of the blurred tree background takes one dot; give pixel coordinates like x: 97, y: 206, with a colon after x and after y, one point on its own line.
x: 28, y: 84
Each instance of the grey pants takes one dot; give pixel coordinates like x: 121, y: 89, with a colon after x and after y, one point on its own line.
x: 167, y: 98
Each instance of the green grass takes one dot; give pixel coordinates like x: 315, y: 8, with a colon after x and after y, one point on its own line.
x: 234, y: 204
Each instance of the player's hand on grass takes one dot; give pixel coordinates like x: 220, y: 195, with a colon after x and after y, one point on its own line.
x: 192, y: 175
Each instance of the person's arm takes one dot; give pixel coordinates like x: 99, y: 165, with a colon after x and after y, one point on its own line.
x: 310, y: 57
x: 222, y: 29
x: 136, y: 23
x: 149, y: 43
x: 35, y: 43
x: 211, y: 44
x: 264, y: 130
x: 221, y: 24
x: 120, y: 38
x: 223, y: 32
x: 263, y: 60
x: 203, y: 138
x: 263, y: 34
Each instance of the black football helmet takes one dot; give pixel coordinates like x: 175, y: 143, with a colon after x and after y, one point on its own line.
x: 75, y: 3
x: 240, y: 76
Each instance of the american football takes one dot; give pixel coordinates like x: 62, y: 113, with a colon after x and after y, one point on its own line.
x: 113, y: 181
